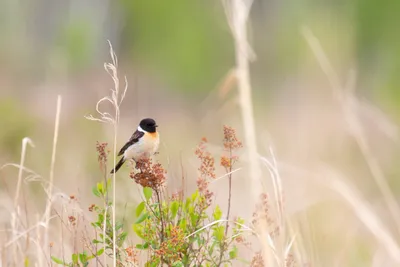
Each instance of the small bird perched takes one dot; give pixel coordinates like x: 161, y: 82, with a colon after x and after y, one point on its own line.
x: 143, y: 143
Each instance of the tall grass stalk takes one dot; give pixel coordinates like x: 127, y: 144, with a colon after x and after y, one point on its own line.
x: 16, y: 213
x: 115, y: 100
x: 237, y: 12
x: 49, y: 190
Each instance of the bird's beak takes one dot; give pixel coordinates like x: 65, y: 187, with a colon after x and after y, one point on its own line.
x: 156, y: 125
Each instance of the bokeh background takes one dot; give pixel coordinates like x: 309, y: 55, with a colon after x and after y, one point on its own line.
x: 177, y: 56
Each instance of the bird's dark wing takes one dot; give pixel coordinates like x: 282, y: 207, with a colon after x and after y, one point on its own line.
x: 134, y: 138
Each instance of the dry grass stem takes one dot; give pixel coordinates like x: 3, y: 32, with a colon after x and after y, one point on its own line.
x: 49, y: 190
x: 115, y: 100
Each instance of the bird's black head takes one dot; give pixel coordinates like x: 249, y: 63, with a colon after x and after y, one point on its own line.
x: 148, y: 125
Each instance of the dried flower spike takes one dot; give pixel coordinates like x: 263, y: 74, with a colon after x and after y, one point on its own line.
x: 149, y: 175
x: 231, y: 142
x: 102, y: 154
x: 207, y: 162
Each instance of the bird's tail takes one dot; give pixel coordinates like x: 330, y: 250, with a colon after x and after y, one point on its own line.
x: 119, y: 164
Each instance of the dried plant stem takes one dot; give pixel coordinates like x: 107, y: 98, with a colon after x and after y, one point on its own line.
x: 161, y: 217
x: 115, y: 100
x: 51, y: 177
x: 238, y: 20
x: 114, y: 188
x: 25, y: 141
x: 16, y: 213
x: 230, y: 191
x: 237, y: 14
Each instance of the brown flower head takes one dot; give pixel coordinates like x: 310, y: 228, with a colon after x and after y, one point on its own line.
x: 102, y: 154
x: 257, y: 260
x: 177, y: 195
x: 231, y: 142
x: 149, y: 175
x: 132, y: 254
x: 207, y: 162
x: 263, y: 215
x: 290, y: 261
x: 173, y: 247
x: 202, y: 185
x: 92, y: 207
x: 226, y: 162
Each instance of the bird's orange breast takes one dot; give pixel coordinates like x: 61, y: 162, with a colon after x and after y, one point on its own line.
x: 153, y: 135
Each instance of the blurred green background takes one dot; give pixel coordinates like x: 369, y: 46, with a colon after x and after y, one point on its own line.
x: 176, y: 55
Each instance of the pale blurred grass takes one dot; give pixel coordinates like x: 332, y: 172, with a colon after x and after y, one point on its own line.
x: 310, y: 139
x: 317, y: 156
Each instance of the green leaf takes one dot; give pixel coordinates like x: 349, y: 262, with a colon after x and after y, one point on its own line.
x: 218, y: 233
x: 142, y: 246
x: 57, y: 260
x: 147, y: 192
x: 121, y: 238
x: 83, y: 257
x: 174, y: 209
x: 142, y: 217
x: 187, y: 204
x: 140, y: 208
x: 100, y: 188
x: 177, y: 264
x: 217, y: 213
x: 138, y: 229
x: 100, y: 252
x: 95, y: 191
x: 118, y: 226
x: 195, y: 195
x: 182, y: 224
x: 233, y: 253
x: 74, y: 258
x: 194, y: 218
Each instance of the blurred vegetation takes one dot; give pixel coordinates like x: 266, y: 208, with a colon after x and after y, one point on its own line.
x: 15, y: 124
x: 188, y: 44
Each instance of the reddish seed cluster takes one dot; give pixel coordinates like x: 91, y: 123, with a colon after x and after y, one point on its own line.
x: 72, y: 220
x: 171, y: 247
x: 230, y: 140
x: 202, y: 185
x: 257, y: 260
x: 207, y: 166
x: 290, y: 261
x: 91, y: 207
x: 133, y: 255
x: 149, y: 175
x: 231, y: 143
x: 263, y: 214
x: 226, y: 162
x: 177, y: 196
x: 207, y: 170
x: 102, y: 153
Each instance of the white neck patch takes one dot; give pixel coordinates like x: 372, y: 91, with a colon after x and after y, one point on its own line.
x: 140, y: 129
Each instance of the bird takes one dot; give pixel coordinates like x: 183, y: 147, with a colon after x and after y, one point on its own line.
x: 143, y: 143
